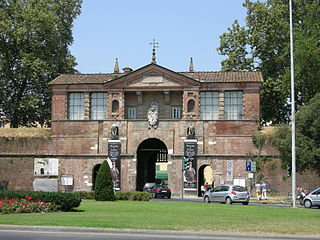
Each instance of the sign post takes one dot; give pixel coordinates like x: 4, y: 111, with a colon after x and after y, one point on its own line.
x: 114, y: 150
x: 189, y: 175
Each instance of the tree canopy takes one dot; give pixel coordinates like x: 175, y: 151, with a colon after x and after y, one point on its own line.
x: 34, y: 40
x: 307, y: 138
x: 263, y: 45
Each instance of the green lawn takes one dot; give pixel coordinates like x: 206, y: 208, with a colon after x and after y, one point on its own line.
x: 178, y: 216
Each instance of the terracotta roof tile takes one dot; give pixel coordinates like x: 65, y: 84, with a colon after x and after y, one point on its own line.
x: 66, y: 79
x: 225, y: 76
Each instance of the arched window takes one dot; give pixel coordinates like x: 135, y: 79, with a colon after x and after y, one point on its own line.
x: 115, y: 106
x: 191, y: 104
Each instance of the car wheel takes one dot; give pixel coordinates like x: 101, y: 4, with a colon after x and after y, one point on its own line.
x: 206, y: 199
x: 307, y: 204
x: 245, y: 203
x: 228, y: 201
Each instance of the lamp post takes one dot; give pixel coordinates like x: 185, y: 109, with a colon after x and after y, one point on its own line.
x: 293, y: 124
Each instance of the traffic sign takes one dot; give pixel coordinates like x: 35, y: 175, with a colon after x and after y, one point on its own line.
x: 253, y: 166
x: 248, y: 166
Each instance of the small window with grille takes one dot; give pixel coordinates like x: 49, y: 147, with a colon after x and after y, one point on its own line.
x: 176, y: 113
x: 132, y: 113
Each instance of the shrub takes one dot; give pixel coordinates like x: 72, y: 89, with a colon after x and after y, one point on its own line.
x: 135, y: 196
x: 25, y: 205
x: 104, y: 186
x: 86, y: 194
x: 65, y: 201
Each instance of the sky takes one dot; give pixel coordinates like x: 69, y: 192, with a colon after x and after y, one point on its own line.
x: 123, y: 29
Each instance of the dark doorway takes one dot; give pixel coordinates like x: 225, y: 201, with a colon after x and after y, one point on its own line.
x: 205, y: 177
x: 95, y: 171
x: 149, y: 152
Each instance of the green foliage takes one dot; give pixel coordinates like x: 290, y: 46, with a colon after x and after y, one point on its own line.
x: 65, y: 201
x: 85, y: 194
x: 307, y: 138
x: 34, y: 40
x: 135, y: 196
x: 25, y: 205
x: 263, y: 45
x: 104, y: 186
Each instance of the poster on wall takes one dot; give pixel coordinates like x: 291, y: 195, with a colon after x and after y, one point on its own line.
x: 114, y: 150
x: 46, y: 166
x: 190, y: 164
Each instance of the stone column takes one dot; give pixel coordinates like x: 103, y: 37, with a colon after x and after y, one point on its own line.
x: 221, y: 105
x: 86, y: 106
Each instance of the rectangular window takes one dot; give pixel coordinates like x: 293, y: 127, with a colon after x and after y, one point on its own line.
x: 233, y: 105
x: 176, y: 113
x: 98, y: 106
x: 76, y: 106
x: 132, y: 113
x: 209, y: 105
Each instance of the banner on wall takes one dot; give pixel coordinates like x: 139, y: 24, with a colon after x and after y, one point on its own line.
x: 190, y: 164
x: 114, y: 150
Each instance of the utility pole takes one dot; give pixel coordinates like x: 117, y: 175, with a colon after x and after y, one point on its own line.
x: 293, y: 119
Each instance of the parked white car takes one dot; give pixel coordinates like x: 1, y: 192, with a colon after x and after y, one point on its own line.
x: 312, y: 199
x: 227, y: 194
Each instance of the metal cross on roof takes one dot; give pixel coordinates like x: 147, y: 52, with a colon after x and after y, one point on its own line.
x: 154, y: 46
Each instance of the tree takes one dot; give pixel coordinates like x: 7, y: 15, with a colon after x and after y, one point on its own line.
x: 307, y: 138
x: 104, y: 186
x: 34, y: 40
x: 265, y: 42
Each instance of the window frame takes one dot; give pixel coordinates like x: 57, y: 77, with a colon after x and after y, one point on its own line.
x: 98, y: 111
x: 209, y: 105
x: 72, y: 99
x: 233, y: 105
x: 176, y: 113
x: 132, y: 113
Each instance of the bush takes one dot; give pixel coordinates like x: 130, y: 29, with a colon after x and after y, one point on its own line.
x: 86, y: 194
x: 25, y: 205
x: 103, y: 190
x: 65, y: 201
x: 135, y: 196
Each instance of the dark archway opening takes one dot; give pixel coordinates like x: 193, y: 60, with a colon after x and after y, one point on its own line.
x: 205, y: 178
x: 150, y: 152
x: 95, y: 171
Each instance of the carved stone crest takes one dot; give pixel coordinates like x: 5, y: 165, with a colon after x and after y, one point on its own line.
x: 114, y: 132
x: 153, y: 117
x: 191, y: 132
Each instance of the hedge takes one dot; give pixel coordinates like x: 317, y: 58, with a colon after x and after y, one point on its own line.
x: 65, y: 201
x: 135, y: 196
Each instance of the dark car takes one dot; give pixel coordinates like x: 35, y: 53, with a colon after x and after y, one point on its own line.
x: 161, y: 191
x: 148, y: 187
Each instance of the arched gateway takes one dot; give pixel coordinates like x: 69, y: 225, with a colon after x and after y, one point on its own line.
x: 152, y: 158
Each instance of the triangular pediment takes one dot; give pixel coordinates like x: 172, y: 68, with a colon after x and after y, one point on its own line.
x: 152, y: 76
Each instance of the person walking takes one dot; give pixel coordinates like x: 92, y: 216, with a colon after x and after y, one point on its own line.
x: 264, y: 191
x: 258, y: 190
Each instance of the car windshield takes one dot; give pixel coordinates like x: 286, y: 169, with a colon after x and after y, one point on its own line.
x: 149, y: 184
x: 239, y: 189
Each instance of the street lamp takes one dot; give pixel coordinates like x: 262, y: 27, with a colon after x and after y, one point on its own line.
x: 293, y: 124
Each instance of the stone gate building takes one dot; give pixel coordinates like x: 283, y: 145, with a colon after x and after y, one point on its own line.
x: 150, y: 115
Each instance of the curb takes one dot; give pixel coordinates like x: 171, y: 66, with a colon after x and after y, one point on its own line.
x: 151, y: 232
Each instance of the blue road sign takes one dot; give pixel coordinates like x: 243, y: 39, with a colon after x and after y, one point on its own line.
x: 248, y: 166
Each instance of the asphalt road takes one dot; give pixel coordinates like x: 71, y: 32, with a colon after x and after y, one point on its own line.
x: 35, y: 235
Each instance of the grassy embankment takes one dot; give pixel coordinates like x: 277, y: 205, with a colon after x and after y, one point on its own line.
x: 183, y: 216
